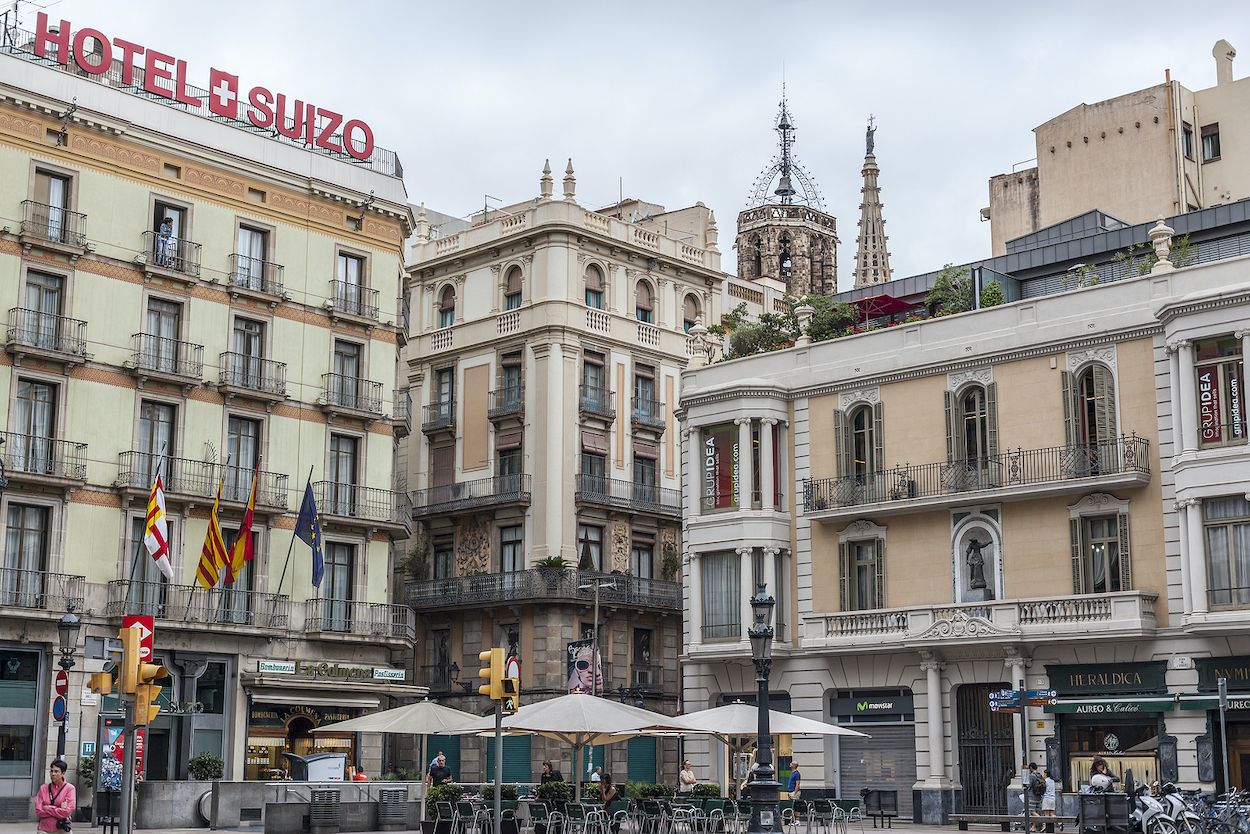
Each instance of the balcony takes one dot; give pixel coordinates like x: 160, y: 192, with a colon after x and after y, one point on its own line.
x: 363, y: 506
x: 505, y: 402
x: 43, y: 461
x: 537, y: 585
x: 401, y: 413
x: 330, y: 618
x: 1127, y: 614
x: 256, y: 279
x: 350, y: 396
x: 1017, y: 475
x: 170, y: 257
x: 439, y: 417
x: 437, y: 678
x: 236, y: 486
x: 596, y: 401
x: 45, y: 336
x: 54, y: 228
x: 197, y: 480
x: 192, y: 608
x: 241, y: 375
x: 25, y: 591
x: 627, y: 495
x: 450, y: 499
x: 648, y: 414
x: 647, y: 675
x: 352, y: 300
x: 168, y: 360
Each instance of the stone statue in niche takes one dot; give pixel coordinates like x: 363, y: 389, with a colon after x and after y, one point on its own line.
x: 974, y: 557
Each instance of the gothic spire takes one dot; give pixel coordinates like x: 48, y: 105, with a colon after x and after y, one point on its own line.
x: 793, y: 184
x: 872, y: 257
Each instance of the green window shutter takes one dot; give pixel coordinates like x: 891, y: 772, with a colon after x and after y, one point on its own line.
x: 844, y: 575
x: 841, y: 443
x: 1071, y: 410
x: 1126, y: 562
x: 1104, y: 393
x: 1078, y: 575
x: 991, y: 418
x: 450, y: 746
x: 516, y: 760
x: 640, y: 761
x: 878, y: 436
x: 952, y: 428
x: 879, y: 565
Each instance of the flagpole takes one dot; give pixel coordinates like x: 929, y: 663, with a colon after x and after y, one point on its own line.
x: 273, y: 608
x: 139, y: 546
x: 195, y: 585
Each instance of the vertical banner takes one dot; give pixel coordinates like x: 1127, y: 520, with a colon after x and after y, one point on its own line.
x: 1209, y: 427
x: 720, y: 467
x: 585, y: 669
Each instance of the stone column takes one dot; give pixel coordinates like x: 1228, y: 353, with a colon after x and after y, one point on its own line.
x: 1196, y: 556
x: 783, y: 473
x: 1188, y: 398
x: 556, y: 464
x: 1017, y: 664
x: 1244, y: 335
x: 744, y: 463
x: 770, y: 571
x: 935, y: 796
x: 1174, y: 378
x: 767, y: 427
x: 746, y: 581
x: 695, y: 585
x: 1182, y: 519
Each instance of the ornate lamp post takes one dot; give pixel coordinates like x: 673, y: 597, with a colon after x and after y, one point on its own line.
x: 67, y: 632
x: 765, y: 790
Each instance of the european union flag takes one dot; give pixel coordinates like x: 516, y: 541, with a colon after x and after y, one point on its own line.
x: 308, y: 530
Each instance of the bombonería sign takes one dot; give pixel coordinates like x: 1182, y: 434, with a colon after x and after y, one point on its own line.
x: 166, y: 76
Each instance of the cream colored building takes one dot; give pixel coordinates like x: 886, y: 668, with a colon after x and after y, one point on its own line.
x: 950, y: 507
x: 265, y: 330
x: 1156, y: 152
x: 546, y: 377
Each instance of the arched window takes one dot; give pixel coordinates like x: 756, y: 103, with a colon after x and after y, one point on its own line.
x: 862, y: 442
x: 644, y: 303
x: 1089, y: 420
x: 594, y: 287
x: 757, y: 256
x: 512, y: 289
x: 784, y: 261
x: 447, y: 307
x: 974, y: 417
x: 690, y: 312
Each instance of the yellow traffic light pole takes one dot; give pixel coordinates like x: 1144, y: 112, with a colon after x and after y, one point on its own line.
x: 138, y: 690
x: 492, y: 673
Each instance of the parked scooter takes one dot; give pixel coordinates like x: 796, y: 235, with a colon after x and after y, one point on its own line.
x: 1187, y: 821
x: 1149, y: 814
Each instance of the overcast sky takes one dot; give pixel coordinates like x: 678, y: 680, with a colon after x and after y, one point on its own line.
x: 677, y: 99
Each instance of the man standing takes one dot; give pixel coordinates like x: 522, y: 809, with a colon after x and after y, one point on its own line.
x: 796, y: 781
x: 439, y: 773
x: 1034, y: 790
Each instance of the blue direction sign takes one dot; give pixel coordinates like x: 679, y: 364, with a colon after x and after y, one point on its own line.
x: 1005, y: 700
x: 59, y: 708
x: 1041, y: 697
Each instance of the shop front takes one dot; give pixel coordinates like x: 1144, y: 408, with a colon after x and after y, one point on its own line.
x: 1236, y: 671
x: 887, y: 760
x: 1112, y: 710
x: 274, y: 729
x: 22, y: 723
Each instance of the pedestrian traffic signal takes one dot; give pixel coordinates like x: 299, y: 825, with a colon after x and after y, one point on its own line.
x: 146, y: 708
x: 128, y: 678
x: 492, y: 672
x: 511, y: 701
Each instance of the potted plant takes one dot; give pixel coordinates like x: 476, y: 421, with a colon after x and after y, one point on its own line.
x: 206, y: 767
x: 555, y: 794
x: 552, y: 569
x: 415, y: 562
x: 86, y: 781
x: 670, y: 562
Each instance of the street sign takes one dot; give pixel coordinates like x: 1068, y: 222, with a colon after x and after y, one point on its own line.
x: 87, y: 748
x: 59, y: 708
x: 141, y: 743
x: 1041, y: 697
x: 145, y: 626
x: 62, y: 682
x: 1005, y: 700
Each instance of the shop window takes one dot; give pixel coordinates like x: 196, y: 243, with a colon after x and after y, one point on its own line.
x: 1101, y: 561
x: 512, y: 289
x: 722, y: 600
x: 862, y: 574
x: 1220, y: 380
x: 1125, y: 745
x: 594, y: 287
x: 590, y: 547
x: 1211, y: 142
x: 210, y: 688
x: 1226, y: 526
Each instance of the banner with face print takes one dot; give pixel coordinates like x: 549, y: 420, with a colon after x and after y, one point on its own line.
x: 585, y: 668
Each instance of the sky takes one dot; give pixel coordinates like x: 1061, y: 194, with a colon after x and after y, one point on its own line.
x: 674, y: 102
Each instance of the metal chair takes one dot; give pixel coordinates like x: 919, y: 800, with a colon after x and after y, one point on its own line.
x: 820, y: 814
x: 445, y: 812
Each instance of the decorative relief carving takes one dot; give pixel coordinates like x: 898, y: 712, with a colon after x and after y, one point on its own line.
x: 620, y: 546
x: 218, y: 182
x: 1105, y: 354
x: 115, y: 152
x: 955, y: 381
x: 20, y: 124
x: 861, y: 529
x: 381, y: 228
x: 473, y: 546
x: 867, y: 395
x: 961, y: 624
x: 1097, y: 503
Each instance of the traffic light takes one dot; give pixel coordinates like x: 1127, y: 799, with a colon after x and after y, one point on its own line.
x: 101, y: 683
x: 511, y: 695
x: 146, y: 708
x: 492, y: 672
x: 128, y: 678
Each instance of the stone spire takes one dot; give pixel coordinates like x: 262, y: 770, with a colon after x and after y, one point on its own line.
x: 570, y: 182
x: 545, y: 182
x: 872, y: 257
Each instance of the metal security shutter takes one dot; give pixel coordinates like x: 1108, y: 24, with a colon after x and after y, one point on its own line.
x: 641, y: 760
x: 886, y: 761
x: 450, y: 746
x: 516, y: 760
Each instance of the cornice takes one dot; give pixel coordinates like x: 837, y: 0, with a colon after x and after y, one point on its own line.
x: 1182, y: 307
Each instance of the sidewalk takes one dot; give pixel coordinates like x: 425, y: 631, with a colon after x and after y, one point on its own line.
x: 29, y: 827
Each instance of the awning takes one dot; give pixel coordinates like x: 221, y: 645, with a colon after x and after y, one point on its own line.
x: 1209, y: 700
x: 1113, y: 705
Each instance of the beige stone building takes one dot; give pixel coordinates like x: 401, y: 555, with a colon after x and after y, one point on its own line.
x: 546, y: 458
x: 1160, y: 151
x: 262, y: 329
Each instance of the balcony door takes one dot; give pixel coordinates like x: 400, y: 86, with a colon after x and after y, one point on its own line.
x: 511, y: 556
x: 644, y: 480
x: 44, y: 299
x: 156, y: 442
x: 25, y: 556
x: 52, y: 190
x: 168, y: 250
x: 344, y: 469
x: 250, y: 268
x: 159, y: 351
x: 442, y: 474
x: 234, y: 603
x: 34, y: 426
x: 347, y: 373
x: 147, y: 592
x: 351, y: 277
x: 337, y: 587
x: 243, y: 448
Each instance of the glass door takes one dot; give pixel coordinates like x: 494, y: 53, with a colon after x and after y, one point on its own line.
x: 160, y: 348
x: 156, y: 442
x: 243, y: 447
x: 343, y: 470
x: 43, y: 301
x: 34, y: 416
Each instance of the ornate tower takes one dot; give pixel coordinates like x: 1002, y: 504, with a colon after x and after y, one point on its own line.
x: 872, y: 258
x: 784, y: 232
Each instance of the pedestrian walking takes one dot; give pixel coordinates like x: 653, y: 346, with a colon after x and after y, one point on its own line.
x: 1034, y: 790
x: 1050, y: 797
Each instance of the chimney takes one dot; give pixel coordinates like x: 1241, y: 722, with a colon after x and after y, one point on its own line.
x: 1224, y: 54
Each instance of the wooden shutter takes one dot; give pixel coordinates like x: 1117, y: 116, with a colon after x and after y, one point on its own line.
x: 841, y: 444
x: 1078, y: 581
x: 1071, y: 410
x: 991, y: 418
x: 878, y: 455
x: 844, y: 574
x: 1104, y: 411
x: 1126, y: 562
x: 879, y: 565
x: 952, y: 428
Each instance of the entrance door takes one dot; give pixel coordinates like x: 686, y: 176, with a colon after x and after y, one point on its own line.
x: 985, y: 749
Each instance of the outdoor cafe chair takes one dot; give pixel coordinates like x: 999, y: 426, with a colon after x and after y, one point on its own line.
x: 714, y: 816
x: 680, y: 819
x: 820, y: 814
x: 540, y: 814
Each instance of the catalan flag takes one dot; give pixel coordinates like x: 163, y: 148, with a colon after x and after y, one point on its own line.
x: 156, y: 530
x: 241, y: 549
x: 213, y: 555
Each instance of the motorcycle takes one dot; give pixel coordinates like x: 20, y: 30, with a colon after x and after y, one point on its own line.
x: 1149, y: 814
x: 1187, y: 821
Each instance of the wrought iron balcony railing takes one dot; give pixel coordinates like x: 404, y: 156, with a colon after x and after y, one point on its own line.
x: 199, y: 479
x: 598, y: 401
x: 236, y: 486
x: 401, y: 411
x: 438, y: 416
x: 264, y: 376
x: 172, y: 253
x: 45, y: 331
x: 371, y: 619
x: 351, y: 393
x: 648, y: 412
x: 40, y: 590
x: 383, y: 506
x: 647, y: 675
x: 192, y: 605
x: 1018, y: 468
x: 437, y: 678
x: 27, y: 454
x: 354, y: 299
x: 161, y: 355
x: 506, y: 401
x: 54, y: 224
x: 486, y: 492
x: 542, y: 584
x: 628, y: 495
x: 247, y: 273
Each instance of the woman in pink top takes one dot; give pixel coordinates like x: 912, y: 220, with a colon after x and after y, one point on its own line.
x: 55, y: 801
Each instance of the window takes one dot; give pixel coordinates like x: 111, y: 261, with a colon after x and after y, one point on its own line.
x: 249, y: 268
x: 1227, y: 529
x: 512, y: 289
x: 644, y: 302
x: 1187, y: 140
x: 234, y: 602
x: 781, y: 612
x: 972, y: 430
x: 719, y: 455
x: 1089, y: 420
x: 211, y: 688
x: 243, y: 449
x: 444, y: 560
x: 443, y: 474
x: 1100, y: 555
x: 50, y: 219
x: 862, y: 442
x: 644, y: 480
x: 346, y: 379
x: 511, y: 549
x: 444, y: 394
x: 31, y: 447
x: 336, y: 586
x: 784, y: 261
x: 344, y: 470
x: 641, y: 559
x: 247, y: 341
x: 349, y: 285
x: 594, y: 383
x: 594, y: 287
x: 1220, y: 378
x: 646, y: 672
x: 1211, y: 142
x: 169, y: 232
x: 43, y: 299
x: 594, y: 467
x: 447, y: 307
x: 722, y: 602
x: 589, y: 547
x: 26, y: 545
x: 863, y: 574
x: 858, y: 444
x: 756, y: 250
x: 689, y: 313
x: 645, y: 406
x: 156, y: 438
x: 508, y: 471
x: 160, y: 347
x: 510, y: 379
x: 146, y: 591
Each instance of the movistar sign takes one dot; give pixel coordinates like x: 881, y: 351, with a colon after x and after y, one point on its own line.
x: 885, y: 704
x: 869, y: 706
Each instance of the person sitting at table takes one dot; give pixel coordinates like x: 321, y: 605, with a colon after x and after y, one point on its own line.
x: 608, y: 795
x: 550, y: 774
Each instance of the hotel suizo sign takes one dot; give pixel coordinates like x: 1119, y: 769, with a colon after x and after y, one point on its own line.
x: 1108, y: 678
x: 1235, y: 669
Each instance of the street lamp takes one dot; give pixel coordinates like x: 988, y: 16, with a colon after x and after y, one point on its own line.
x: 67, y: 633
x: 765, y: 790
x: 594, y: 637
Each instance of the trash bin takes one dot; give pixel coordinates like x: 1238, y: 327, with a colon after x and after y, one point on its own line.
x: 1104, y: 813
x: 393, y: 809
x: 323, y: 812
